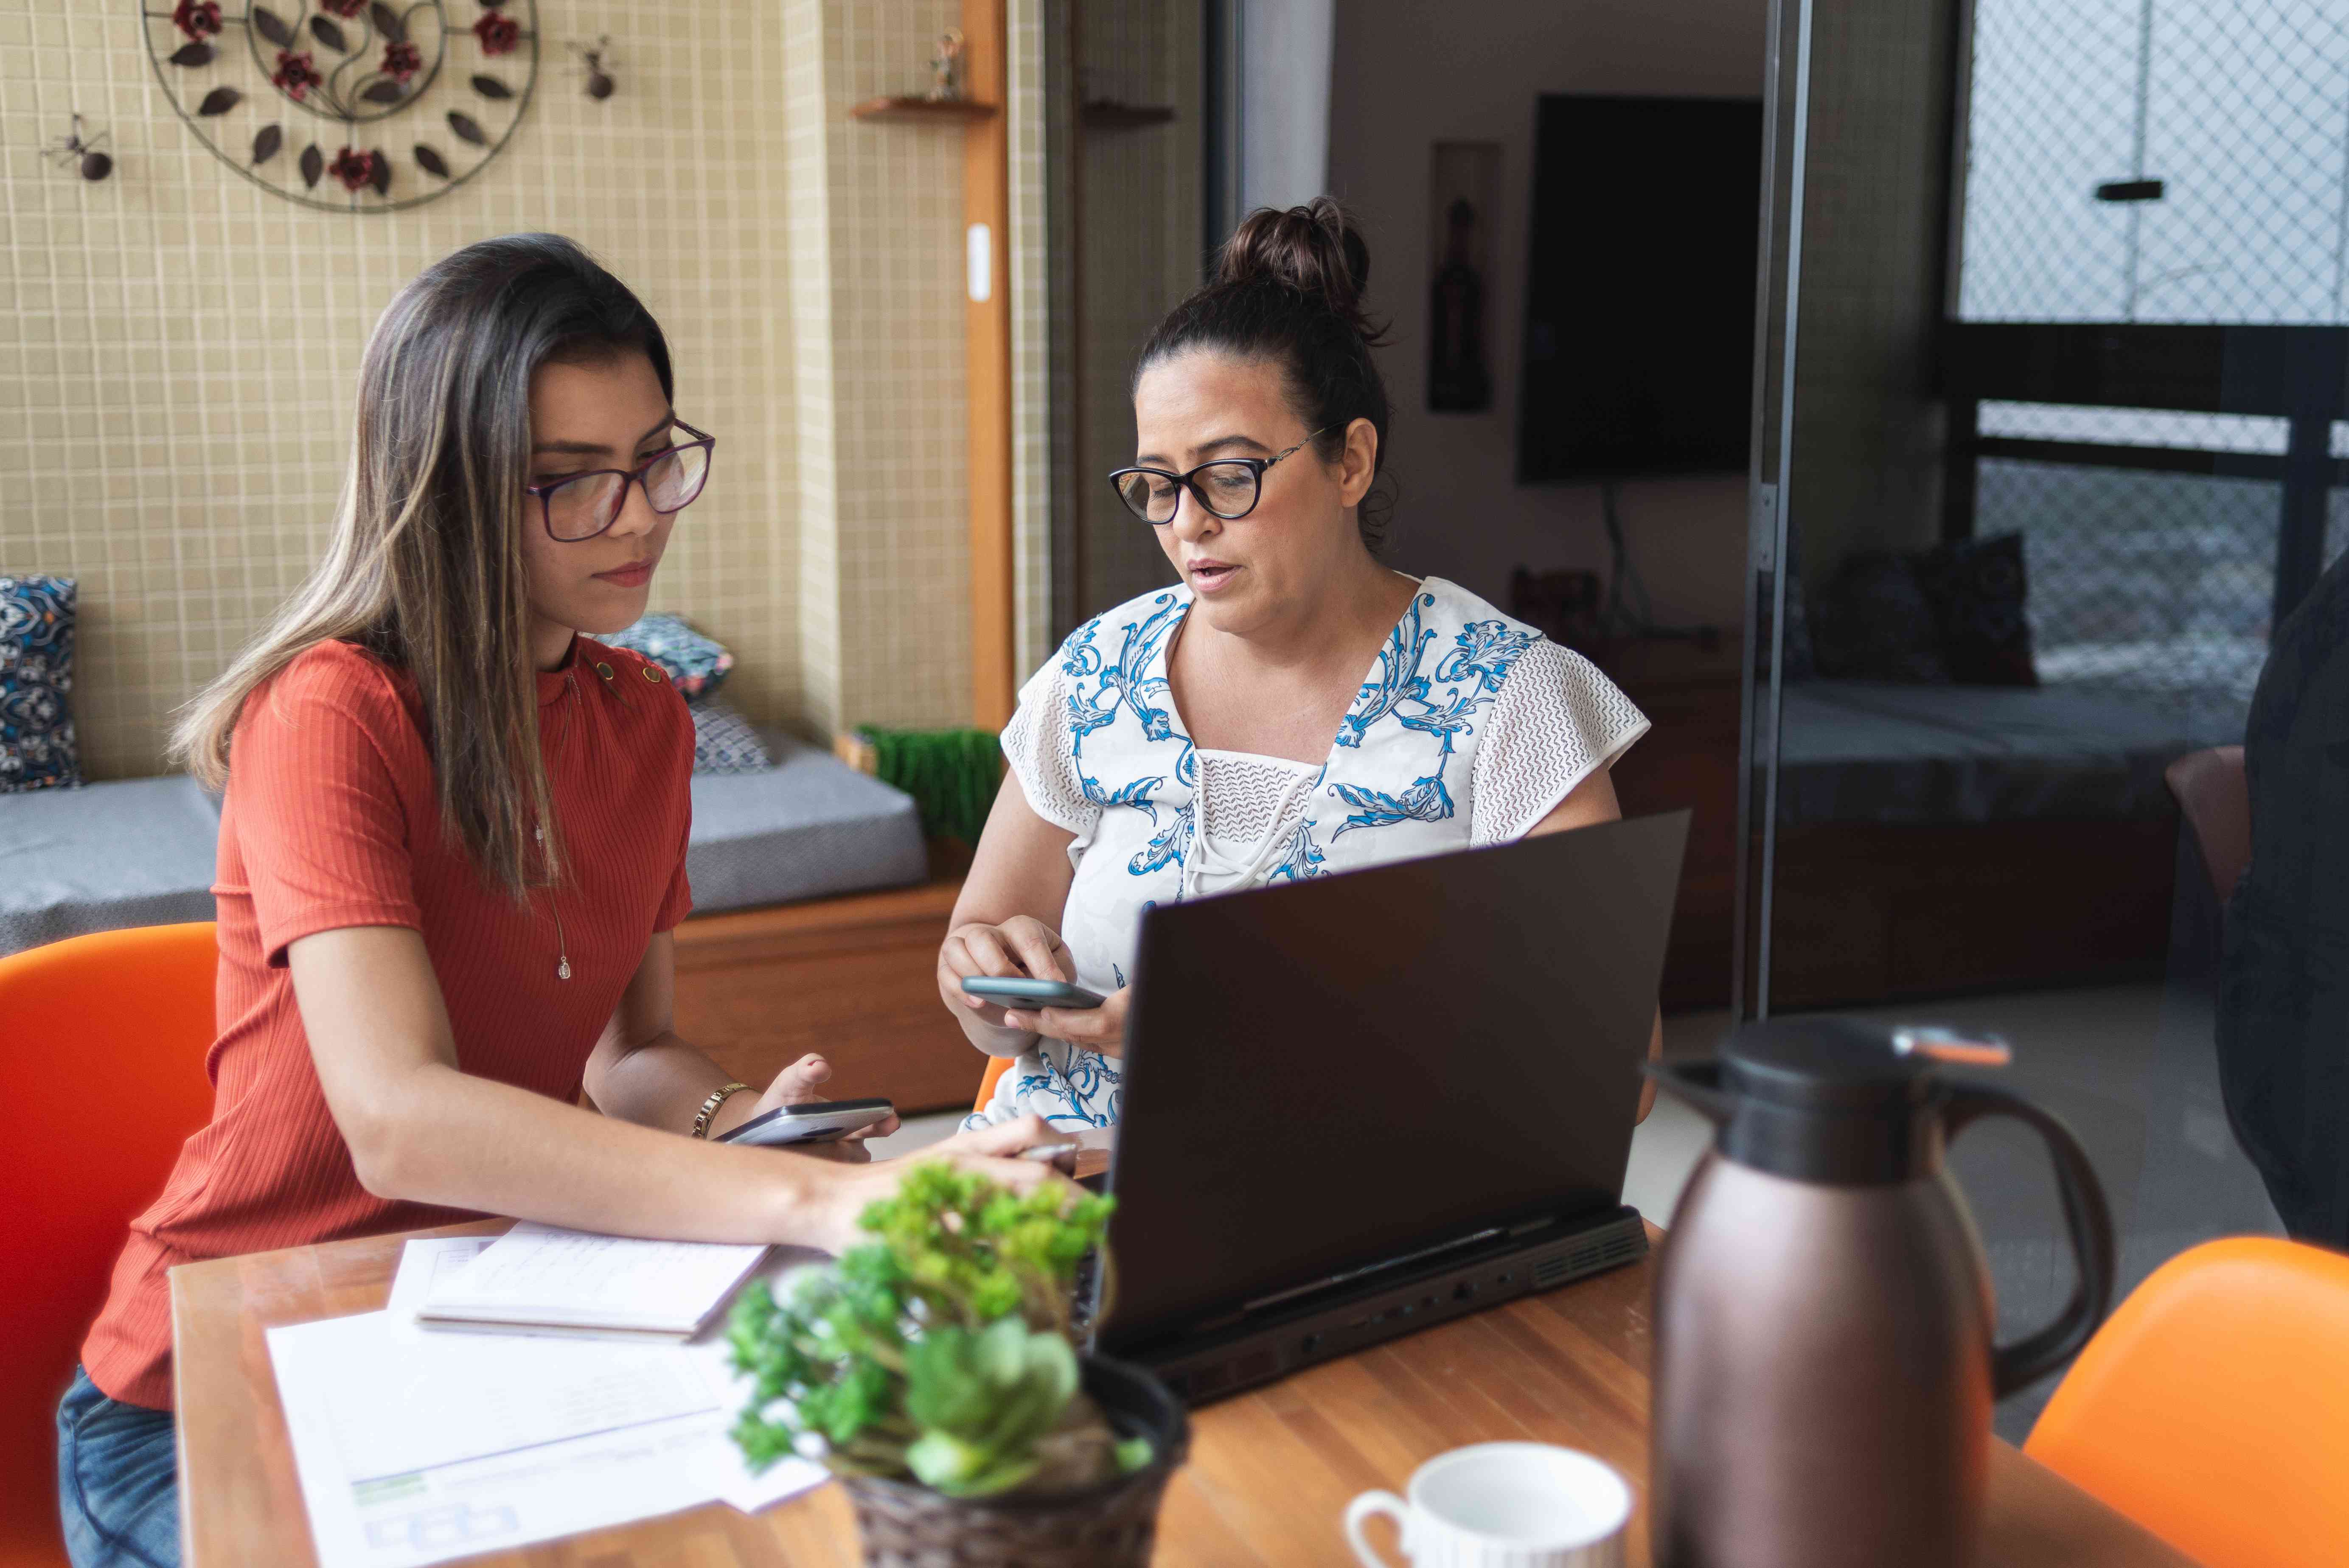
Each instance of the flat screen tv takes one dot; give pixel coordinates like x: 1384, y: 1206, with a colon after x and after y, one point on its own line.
x: 1639, y: 349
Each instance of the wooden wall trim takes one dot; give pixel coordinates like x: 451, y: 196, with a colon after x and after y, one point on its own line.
x: 987, y: 199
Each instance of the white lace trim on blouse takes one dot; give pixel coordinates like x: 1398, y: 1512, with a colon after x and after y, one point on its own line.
x: 1554, y: 721
x: 1244, y: 798
x: 1037, y: 745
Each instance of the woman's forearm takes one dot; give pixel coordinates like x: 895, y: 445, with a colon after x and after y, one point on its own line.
x: 994, y: 1039
x: 440, y: 1136
x: 423, y: 1130
x: 1018, y: 880
x: 664, y: 1083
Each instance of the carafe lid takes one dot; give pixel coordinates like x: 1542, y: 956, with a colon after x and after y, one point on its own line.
x: 1840, y: 1064
x: 1831, y: 1099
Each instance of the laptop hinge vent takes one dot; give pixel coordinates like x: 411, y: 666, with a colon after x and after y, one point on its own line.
x: 1585, y: 1257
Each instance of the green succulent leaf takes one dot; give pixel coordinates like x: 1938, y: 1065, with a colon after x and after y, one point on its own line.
x: 939, y: 1350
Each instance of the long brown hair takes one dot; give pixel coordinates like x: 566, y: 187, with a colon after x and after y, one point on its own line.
x: 425, y: 569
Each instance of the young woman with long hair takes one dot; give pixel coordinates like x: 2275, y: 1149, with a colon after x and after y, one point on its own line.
x: 1292, y: 707
x: 452, y: 854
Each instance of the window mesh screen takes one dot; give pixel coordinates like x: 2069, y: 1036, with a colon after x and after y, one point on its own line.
x: 2156, y: 162
x: 2147, y: 582
x: 2241, y: 111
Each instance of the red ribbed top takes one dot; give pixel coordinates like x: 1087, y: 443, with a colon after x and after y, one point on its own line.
x: 332, y: 820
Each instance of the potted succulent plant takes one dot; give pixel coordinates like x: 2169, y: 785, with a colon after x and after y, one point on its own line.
x: 934, y: 1369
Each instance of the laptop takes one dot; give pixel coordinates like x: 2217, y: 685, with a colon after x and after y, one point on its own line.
x: 1362, y: 1104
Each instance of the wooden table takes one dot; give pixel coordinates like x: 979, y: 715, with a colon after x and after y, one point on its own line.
x: 1270, y: 1473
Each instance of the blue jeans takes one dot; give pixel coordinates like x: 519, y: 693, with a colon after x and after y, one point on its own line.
x: 118, y: 1480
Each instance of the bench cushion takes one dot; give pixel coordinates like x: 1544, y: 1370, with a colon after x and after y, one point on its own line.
x: 140, y: 852
x: 809, y: 827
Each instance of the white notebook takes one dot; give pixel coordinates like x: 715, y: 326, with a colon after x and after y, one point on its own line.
x: 536, y: 1278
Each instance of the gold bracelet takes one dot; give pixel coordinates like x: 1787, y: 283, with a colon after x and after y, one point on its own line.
x: 709, y: 1107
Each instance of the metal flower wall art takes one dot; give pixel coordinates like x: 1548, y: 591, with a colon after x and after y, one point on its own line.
x: 363, y: 105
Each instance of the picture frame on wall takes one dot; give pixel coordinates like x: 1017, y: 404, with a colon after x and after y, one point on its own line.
x: 1462, y: 188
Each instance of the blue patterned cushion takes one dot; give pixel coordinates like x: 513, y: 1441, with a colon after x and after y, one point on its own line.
x: 36, y: 642
x: 724, y: 741
x: 696, y: 664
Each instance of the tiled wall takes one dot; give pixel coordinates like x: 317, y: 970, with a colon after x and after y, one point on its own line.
x: 878, y: 265
x: 178, y: 349
x: 898, y: 421
x: 1140, y: 234
x: 1031, y: 26
x: 808, y: 120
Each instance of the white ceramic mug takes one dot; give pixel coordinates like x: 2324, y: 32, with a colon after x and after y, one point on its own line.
x: 1504, y: 1505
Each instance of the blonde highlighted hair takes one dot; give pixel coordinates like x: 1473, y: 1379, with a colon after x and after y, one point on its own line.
x: 425, y: 569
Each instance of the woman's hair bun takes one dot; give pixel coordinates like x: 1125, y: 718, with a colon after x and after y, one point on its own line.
x: 1288, y: 289
x: 1314, y: 249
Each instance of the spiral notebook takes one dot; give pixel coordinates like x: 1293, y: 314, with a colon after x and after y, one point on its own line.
x: 542, y: 1279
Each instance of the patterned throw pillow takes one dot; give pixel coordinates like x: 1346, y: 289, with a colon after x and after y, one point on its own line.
x: 1951, y: 614
x: 724, y: 741
x: 696, y: 664
x: 1978, y: 589
x: 37, y: 643
x: 1874, y: 623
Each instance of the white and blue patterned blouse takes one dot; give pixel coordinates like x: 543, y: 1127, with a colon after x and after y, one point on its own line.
x: 1469, y: 729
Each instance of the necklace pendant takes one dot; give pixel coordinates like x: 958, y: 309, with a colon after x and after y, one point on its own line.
x: 563, y: 969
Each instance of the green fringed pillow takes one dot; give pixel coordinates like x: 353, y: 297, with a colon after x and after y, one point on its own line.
x: 950, y: 773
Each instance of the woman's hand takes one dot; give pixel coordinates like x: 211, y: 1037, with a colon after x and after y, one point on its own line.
x: 1101, y: 1028
x: 1022, y: 947
x: 797, y: 1084
x: 988, y: 1151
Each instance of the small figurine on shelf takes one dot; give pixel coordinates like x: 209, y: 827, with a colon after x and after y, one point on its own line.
x: 946, y: 68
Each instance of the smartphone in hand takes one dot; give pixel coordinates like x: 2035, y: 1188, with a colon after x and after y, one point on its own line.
x: 818, y: 1121
x: 1019, y: 991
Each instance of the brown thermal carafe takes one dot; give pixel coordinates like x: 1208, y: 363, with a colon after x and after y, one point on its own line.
x: 1824, y: 1364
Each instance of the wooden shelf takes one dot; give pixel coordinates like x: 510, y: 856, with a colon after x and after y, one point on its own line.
x: 923, y: 111
x: 1107, y: 114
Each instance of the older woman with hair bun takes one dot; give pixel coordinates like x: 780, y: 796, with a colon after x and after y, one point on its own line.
x: 1292, y: 709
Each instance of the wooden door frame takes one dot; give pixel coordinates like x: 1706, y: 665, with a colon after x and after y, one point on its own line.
x: 987, y: 201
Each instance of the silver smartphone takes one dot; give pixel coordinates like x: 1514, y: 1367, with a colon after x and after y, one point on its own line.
x: 819, y: 1121
x: 1019, y: 991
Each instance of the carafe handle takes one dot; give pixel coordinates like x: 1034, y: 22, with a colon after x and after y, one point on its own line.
x: 2086, y: 1218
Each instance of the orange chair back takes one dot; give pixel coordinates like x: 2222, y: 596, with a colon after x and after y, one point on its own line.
x: 2213, y: 1408
x: 105, y: 1074
x: 2217, y: 799
x: 996, y: 1067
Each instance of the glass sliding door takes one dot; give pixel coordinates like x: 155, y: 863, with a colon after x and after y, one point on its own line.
x: 2053, y: 396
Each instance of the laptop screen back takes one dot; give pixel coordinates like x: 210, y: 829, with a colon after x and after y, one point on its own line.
x: 1324, y: 1074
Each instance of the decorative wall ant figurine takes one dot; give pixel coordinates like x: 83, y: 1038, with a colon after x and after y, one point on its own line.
x: 599, y: 81
x: 72, y: 148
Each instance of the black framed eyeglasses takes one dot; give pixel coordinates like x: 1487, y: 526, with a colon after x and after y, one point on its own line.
x: 580, y: 506
x: 1228, y: 488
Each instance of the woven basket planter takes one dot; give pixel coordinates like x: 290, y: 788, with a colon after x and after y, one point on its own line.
x: 1111, y: 1525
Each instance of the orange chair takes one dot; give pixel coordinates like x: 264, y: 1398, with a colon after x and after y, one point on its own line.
x: 2213, y: 1408
x: 996, y: 1067
x: 105, y: 1075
